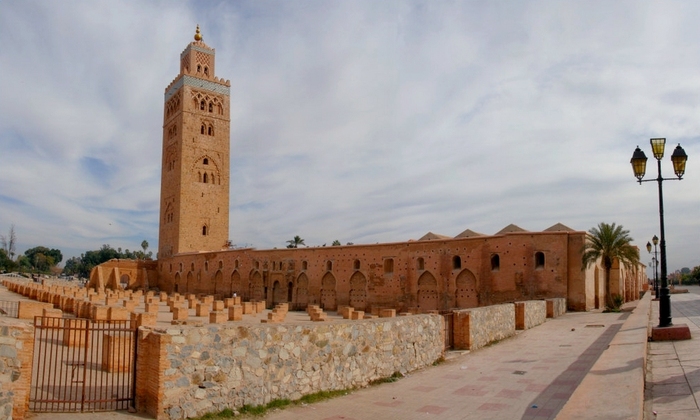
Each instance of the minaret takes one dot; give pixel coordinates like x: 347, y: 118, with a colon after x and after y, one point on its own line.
x: 194, y: 186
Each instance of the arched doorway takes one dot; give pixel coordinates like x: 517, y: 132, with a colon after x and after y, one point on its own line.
x: 176, y: 283
x: 236, y: 286
x: 219, y: 287
x: 427, y: 293
x: 466, y: 295
x: 328, y: 301
x: 302, y: 291
x: 278, y: 293
x: 189, y: 284
x: 358, y: 291
x: 257, y: 291
x: 124, y: 281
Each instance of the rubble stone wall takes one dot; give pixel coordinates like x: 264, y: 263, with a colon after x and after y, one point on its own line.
x: 210, y: 368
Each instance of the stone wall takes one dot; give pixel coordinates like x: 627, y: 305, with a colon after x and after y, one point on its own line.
x: 530, y: 314
x: 16, y: 352
x: 195, y: 370
x: 478, y: 327
x: 556, y: 307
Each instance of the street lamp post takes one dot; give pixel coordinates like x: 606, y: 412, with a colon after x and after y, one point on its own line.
x: 639, y: 163
x: 655, y: 261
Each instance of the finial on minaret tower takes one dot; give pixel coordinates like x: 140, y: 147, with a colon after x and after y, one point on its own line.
x: 197, y: 35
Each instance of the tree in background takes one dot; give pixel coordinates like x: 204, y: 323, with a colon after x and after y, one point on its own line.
x: 42, y: 259
x: 9, y: 242
x: 336, y: 243
x: 609, y: 242
x: 144, y: 245
x: 294, y: 243
x: 6, y: 264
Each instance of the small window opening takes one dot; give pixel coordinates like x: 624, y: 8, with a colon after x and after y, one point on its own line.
x: 456, y: 262
x: 421, y: 264
x: 539, y: 260
x: 329, y: 265
x: 202, y: 105
x: 205, y: 177
x: 221, y: 265
x: 204, y: 228
x: 199, y: 68
x: 210, y: 131
x: 206, y: 265
x: 206, y: 71
x: 356, y: 265
x: 201, y: 129
x: 205, y: 161
x: 304, y: 265
x: 495, y: 262
x: 388, y: 266
x: 192, y: 267
x: 211, y: 107
x: 235, y: 264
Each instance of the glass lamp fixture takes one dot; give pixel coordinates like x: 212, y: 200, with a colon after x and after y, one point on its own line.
x: 655, y: 240
x: 658, y: 146
x: 639, y: 163
x: 649, y: 247
x: 679, y: 158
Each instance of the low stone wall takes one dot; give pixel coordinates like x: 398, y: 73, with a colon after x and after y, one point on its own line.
x: 16, y: 352
x: 477, y: 327
x: 530, y: 314
x: 556, y: 307
x: 195, y: 370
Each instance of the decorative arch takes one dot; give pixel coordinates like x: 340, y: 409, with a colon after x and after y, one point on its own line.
x: 358, y: 291
x: 466, y: 294
x: 328, y: 297
x: 427, y: 293
x: 176, y: 282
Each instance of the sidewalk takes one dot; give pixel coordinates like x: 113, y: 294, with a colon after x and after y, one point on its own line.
x: 529, y: 376
x: 673, y: 367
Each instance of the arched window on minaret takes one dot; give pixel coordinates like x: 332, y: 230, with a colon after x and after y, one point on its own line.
x: 221, y: 110
x: 205, y: 177
x: 204, y: 230
x: 211, y: 131
x: 206, y: 71
x: 211, y: 107
x: 201, y: 130
x: 199, y: 176
x: 205, y: 161
x: 199, y: 68
x: 202, y: 105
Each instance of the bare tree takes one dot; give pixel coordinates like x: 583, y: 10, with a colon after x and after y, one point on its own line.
x: 9, y: 242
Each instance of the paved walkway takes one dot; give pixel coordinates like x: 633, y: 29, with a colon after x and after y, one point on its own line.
x: 673, y: 367
x: 529, y: 376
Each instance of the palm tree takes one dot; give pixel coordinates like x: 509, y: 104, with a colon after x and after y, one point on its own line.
x: 609, y: 242
x: 294, y: 243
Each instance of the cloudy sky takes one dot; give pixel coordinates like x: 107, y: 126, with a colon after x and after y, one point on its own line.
x: 360, y: 121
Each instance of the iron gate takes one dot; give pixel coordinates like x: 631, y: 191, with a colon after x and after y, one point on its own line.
x: 82, y: 365
x: 449, y: 335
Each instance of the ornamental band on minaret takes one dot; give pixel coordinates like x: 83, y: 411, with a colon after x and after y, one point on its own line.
x: 194, y: 195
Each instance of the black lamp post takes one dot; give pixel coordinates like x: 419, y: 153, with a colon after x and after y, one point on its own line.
x: 639, y: 164
x: 655, y: 261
